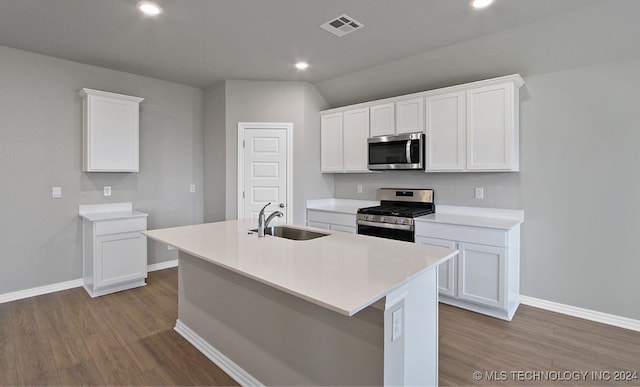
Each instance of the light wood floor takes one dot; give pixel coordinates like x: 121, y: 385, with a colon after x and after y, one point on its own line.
x: 127, y: 338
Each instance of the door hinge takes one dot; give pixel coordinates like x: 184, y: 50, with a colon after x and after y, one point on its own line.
x: 243, y: 194
x: 243, y: 143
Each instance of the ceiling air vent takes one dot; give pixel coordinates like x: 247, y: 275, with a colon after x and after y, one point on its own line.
x: 342, y: 25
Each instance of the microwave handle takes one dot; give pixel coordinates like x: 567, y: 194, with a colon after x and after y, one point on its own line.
x: 408, y: 151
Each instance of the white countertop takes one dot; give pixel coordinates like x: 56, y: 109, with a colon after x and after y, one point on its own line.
x: 497, y: 218
x: 345, y: 206
x: 343, y: 272
x: 110, y: 211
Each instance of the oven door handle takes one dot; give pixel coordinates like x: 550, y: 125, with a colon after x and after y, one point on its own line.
x: 406, y: 227
x: 408, y: 151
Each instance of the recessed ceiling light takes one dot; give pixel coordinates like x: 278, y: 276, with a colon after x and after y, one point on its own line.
x: 302, y: 65
x: 149, y: 8
x: 480, y: 3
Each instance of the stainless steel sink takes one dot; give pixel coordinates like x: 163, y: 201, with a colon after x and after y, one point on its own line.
x: 295, y: 234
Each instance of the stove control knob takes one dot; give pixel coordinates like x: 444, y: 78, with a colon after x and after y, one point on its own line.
x: 382, y: 218
x: 401, y: 221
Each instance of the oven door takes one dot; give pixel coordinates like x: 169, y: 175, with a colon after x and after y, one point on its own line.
x: 404, y: 151
x: 384, y: 230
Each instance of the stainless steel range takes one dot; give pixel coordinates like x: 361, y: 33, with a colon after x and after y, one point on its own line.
x: 393, y: 218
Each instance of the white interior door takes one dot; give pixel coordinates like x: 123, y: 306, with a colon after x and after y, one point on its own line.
x: 264, y: 169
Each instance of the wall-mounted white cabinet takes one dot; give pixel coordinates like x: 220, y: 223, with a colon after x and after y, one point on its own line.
x: 472, y: 127
x: 343, y: 141
x: 410, y: 116
x: 114, y: 249
x: 445, y: 127
x: 110, y: 131
x: 382, y: 120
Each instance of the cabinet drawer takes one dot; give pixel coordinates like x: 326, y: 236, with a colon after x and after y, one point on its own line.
x: 120, y: 226
x: 484, y: 236
x: 332, y: 218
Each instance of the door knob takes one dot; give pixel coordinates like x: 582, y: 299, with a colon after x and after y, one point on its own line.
x: 281, y: 205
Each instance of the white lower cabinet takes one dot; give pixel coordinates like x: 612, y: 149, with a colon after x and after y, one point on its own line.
x: 485, y: 275
x: 336, y: 221
x: 114, y: 252
x: 482, y: 274
x: 447, y: 270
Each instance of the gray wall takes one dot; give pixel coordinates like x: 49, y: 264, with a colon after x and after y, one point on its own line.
x: 215, y: 152
x: 265, y: 101
x: 579, y: 182
x: 40, y: 147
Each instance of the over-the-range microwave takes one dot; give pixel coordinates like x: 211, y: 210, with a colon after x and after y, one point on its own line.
x: 403, y: 151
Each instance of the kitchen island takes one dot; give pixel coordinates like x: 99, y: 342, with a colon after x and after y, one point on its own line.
x: 341, y: 309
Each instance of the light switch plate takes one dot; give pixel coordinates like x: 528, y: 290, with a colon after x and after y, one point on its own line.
x: 56, y: 192
x: 107, y: 191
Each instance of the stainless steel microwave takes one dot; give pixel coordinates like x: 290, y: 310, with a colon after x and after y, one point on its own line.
x: 403, y: 151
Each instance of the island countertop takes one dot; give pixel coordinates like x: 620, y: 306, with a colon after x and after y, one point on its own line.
x: 342, y: 272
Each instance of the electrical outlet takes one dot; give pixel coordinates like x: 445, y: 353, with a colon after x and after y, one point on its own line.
x: 396, y: 322
x: 359, y: 188
x: 479, y: 193
x: 192, y: 188
x: 107, y: 191
x: 56, y: 192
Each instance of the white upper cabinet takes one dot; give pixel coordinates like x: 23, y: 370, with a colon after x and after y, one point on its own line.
x: 382, y: 120
x: 410, y: 116
x: 343, y: 141
x: 445, y: 127
x: 354, y: 135
x: 110, y: 131
x: 473, y: 127
x: 492, y: 128
x: 331, y: 144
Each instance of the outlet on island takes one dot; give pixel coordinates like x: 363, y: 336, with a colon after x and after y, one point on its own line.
x: 359, y: 188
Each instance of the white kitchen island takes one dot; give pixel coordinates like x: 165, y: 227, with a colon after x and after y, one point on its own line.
x: 341, y: 309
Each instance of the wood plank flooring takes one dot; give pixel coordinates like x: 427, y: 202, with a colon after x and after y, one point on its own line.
x: 127, y: 338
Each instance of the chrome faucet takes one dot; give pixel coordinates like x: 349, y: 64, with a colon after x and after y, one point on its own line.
x: 262, y: 223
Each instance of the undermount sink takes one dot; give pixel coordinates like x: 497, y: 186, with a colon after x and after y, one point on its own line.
x: 295, y: 234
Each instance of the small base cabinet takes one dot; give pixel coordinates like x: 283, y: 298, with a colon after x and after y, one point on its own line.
x: 485, y: 276
x: 332, y: 221
x: 114, y: 251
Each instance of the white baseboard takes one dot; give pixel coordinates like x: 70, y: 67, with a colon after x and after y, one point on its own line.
x: 227, y: 365
x: 592, y: 315
x: 40, y: 290
x: 162, y: 265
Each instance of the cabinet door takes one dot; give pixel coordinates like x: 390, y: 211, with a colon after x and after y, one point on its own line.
x: 355, y: 134
x: 382, y: 120
x: 331, y: 142
x: 120, y: 258
x: 446, y: 270
x: 111, y: 132
x: 445, y: 128
x: 410, y: 116
x: 482, y: 274
x: 491, y: 126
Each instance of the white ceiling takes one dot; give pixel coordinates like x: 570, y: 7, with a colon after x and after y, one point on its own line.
x: 202, y: 42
